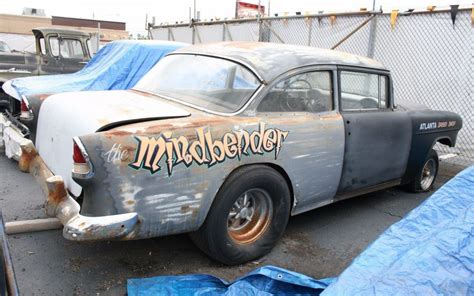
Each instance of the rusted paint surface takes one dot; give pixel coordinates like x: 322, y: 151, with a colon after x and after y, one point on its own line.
x: 59, y: 204
x: 28, y: 154
x: 271, y: 59
x: 57, y: 192
x: 179, y: 202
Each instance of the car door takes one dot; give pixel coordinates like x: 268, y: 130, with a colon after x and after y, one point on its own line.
x: 304, y: 103
x: 377, y: 135
x: 50, y: 58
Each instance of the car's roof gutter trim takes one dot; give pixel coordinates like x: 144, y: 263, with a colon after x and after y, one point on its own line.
x: 240, y: 62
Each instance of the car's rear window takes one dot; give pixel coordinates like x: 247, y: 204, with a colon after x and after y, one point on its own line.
x: 211, y: 83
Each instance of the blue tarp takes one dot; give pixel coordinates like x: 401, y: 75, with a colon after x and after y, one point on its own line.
x: 429, y: 252
x: 118, y: 65
x: 266, y: 280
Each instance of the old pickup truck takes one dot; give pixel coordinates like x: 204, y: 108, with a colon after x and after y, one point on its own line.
x: 57, y: 51
x: 118, y: 65
x: 226, y: 141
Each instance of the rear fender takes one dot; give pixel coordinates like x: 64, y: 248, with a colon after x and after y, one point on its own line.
x: 168, y: 201
x: 429, y: 128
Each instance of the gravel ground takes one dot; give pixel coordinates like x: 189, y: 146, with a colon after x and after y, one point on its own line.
x: 320, y: 243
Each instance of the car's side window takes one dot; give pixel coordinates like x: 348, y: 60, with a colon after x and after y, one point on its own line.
x: 307, y: 92
x: 54, y: 46
x: 42, y: 46
x: 363, y: 91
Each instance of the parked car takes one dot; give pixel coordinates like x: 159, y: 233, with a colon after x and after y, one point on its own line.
x: 4, y: 47
x: 226, y: 141
x: 118, y: 65
x: 57, y: 51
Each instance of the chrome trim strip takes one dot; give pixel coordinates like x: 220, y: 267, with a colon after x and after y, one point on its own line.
x: 243, y: 63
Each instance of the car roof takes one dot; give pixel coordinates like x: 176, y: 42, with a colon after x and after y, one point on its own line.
x: 269, y: 60
x: 48, y: 30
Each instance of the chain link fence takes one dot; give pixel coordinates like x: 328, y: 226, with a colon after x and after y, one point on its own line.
x: 431, y: 60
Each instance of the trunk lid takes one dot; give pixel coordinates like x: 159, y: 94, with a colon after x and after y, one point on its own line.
x: 67, y: 115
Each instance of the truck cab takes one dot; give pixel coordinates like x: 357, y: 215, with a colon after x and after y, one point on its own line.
x: 58, y: 51
x: 61, y: 51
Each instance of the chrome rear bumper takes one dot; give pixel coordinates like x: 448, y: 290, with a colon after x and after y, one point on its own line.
x: 58, y: 201
x: 11, y: 138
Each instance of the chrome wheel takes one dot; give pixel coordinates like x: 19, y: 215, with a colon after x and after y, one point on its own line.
x: 250, y: 216
x: 428, y: 174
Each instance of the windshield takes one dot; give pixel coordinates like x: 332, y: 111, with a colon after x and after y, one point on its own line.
x: 214, y: 84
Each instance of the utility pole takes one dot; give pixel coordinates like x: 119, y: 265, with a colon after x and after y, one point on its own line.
x: 236, y: 8
x: 258, y: 12
x: 195, y: 10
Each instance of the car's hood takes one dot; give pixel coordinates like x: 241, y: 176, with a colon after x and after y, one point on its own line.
x: 67, y: 115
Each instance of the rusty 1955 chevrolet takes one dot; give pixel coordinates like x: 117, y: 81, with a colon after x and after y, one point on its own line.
x: 226, y: 141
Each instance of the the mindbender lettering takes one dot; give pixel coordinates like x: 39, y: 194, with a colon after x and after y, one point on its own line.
x: 204, y: 150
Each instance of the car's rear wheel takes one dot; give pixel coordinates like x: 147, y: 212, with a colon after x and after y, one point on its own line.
x: 247, y: 217
x: 425, y: 179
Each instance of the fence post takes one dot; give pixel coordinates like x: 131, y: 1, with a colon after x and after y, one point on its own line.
x: 226, y: 30
x: 372, y: 35
x: 259, y: 22
x: 272, y: 32
x: 196, y: 30
x: 223, y: 31
x: 310, y: 30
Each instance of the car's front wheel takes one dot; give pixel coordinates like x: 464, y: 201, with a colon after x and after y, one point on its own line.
x: 425, y: 179
x: 247, y: 217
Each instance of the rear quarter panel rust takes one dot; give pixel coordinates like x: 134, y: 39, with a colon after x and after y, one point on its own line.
x: 176, y: 199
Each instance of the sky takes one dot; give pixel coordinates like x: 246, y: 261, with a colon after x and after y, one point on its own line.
x: 134, y: 12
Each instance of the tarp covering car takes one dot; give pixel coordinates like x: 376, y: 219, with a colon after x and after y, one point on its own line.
x: 118, y: 65
x: 429, y: 252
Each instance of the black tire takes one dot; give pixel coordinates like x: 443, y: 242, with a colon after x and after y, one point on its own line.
x: 418, y: 184
x: 4, y: 100
x: 227, y: 243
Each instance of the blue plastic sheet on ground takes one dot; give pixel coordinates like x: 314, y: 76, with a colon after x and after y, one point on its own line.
x: 429, y: 252
x: 118, y: 65
x: 267, y: 280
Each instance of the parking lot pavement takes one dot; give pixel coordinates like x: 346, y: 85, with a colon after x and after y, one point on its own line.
x: 319, y: 243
